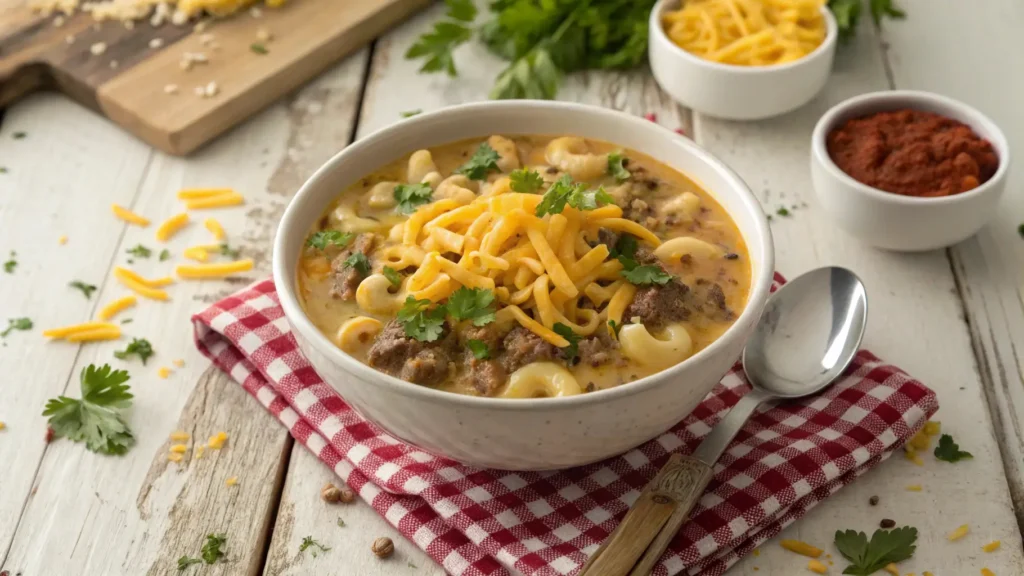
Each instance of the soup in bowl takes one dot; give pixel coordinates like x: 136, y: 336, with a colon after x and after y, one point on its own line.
x: 523, y: 284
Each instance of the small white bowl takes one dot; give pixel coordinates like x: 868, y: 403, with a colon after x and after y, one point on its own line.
x: 737, y: 92
x: 893, y: 221
x: 541, y: 433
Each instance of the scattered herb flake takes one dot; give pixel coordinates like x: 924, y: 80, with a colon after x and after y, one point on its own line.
x: 140, y: 251
x: 411, y: 196
x: 1020, y: 230
x: 359, y: 261
x: 474, y: 304
x: 478, y: 348
x: 126, y: 321
x: 393, y: 276
x: 212, y: 549
x: 483, y: 161
x: 258, y: 48
x: 419, y: 322
x: 138, y: 346
x: 19, y: 135
x: 184, y: 562
x: 86, y: 289
x: 413, y: 566
x: 617, y: 168
x: 949, y: 451
x: 410, y: 113
x: 3, y: 170
x: 165, y: 254
x: 647, y: 274
x: 11, y: 263
x: 320, y: 240
x: 615, y: 326
x: 572, y: 350
x: 885, y: 547
x: 226, y: 250
x: 341, y: 523
x: 309, y: 543
x: 525, y: 181
x: 782, y: 211
x: 16, y: 324
x: 95, y: 418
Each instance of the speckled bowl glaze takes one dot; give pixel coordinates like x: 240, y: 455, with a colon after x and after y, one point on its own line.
x: 542, y: 433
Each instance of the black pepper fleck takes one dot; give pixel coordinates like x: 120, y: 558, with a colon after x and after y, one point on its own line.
x: 887, y: 523
x: 732, y: 256
x: 873, y: 500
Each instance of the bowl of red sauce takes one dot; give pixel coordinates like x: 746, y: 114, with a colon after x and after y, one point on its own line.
x: 908, y: 171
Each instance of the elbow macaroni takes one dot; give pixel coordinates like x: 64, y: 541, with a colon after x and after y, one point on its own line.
x: 541, y: 379
x: 640, y: 346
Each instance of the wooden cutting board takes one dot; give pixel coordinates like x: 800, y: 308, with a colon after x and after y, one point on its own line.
x: 308, y: 36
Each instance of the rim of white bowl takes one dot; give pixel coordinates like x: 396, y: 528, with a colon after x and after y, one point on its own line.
x: 284, y: 280
x: 903, y: 99
x: 831, y: 35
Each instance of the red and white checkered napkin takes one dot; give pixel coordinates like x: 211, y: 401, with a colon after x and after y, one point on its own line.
x: 476, y: 522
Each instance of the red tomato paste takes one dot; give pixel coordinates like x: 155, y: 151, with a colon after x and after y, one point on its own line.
x: 912, y: 153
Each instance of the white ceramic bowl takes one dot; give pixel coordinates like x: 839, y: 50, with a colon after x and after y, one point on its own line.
x: 543, y: 433
x: 737, y: 92
x: 905, y: 223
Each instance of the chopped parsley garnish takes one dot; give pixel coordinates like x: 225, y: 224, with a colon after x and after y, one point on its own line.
x: 625, y: 246
x: 320, y: 240
x: 393, y: 276
x: 483, y: 161
x: 1020, y: 230
x: 16, y: 324
x: 258, y: 48
x: 126, y: 321
x: 228, y: 251
x: 782, y: 211
x: 949, y: 451
x: 11, y: 263
x: 139, y: 347
x: 884, y: 548
x: 140, y: 251
x: 478, y: 348
x: 419, y: 322
x: 341, y: 523
x: 525, y: 181
x: 474, y: 304
x: 617, y: 168
x: 412, y: 196
x: 565, y: 191
x: 359, y: 261
x: 3, y: 170
x: 646, y: 274
x: 19, y: 135
x: 312, y: 545
x: 95, y: 419
x: 572, y: 350
x: 212, y: 549
x: 411, y: 565
x: 411, y: 113
x: 165, y: 254
x: 86, y: 289
x: 184, y: 562
x: 615, y: 326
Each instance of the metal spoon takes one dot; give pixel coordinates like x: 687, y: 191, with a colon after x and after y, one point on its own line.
x: 808, y: 334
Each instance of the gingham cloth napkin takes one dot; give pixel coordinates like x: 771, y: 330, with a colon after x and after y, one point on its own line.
x: 478, y: 522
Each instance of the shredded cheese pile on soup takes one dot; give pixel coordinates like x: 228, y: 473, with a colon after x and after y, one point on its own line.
x: 524, y: 267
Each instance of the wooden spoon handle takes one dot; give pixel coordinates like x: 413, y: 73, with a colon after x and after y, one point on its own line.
x: 653, y: 521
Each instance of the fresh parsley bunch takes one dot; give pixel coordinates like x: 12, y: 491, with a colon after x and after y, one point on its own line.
x: 96, y: 418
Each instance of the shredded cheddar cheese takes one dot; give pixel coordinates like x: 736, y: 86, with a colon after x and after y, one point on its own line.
x: 217, y: 441
x: 94, y: 335
x: 175, y: 457
x: 171, y: 226
x: 892, y: 569
x: 62, y: 240
x: 992, y: 546
x: 215, y: 228
x: 801, y: 548
x: 129, y: 216
x: 958, y: 533
x: 233, y: 481
x: 757, y: 552
x: 163, y: 372
x: 197, y: 253
x: 218, y: 201
x: 76, y: 328
x: 179, y: 448
x: 108, y: 311
x: 139, y: 288
x: 120, y: 272
x: 987, y: 572
x: 213, y: 270
x: 933, y: 428
x: 817, y: 567
x: 914, y: 488
x: 3, y: 425
x: 179, y: 363
x: 198, y: 453
x: 179, y: 436
x: 200, y: 193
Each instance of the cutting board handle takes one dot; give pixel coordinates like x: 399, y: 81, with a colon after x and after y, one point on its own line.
x: 18, y: 79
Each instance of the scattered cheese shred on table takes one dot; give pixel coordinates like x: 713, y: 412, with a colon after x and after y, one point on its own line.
x: 219, y: 201
x: 158, y: 283
x: 171, y: 226
x: 179, y: 363
x: 213, y: 270
x: 199, y: 451
x: 200, y: 193
x: 217, y: 441
x: 913, y: 456
x: 933, y: 428
x: 892, y: 569
x: 175, y: 457
x: 163, y: 372
x: 927, y: 573
x: 197, y: 253
x: 93, y: 335
x: 958, y: 533
x: 920, y: 441
x: 2, y: 425
x: 180, y: 436
x: 179, y: 448
x: 76, y: 328
x: 215, y: 228
x: 992, y: 546
x: 914, y: 488
x: 137, y: 284
x: 802, y: 548
x: 987, y: 572
x: 232, y: 481
x: 757, y: 552
x: 108, y: 311
x: 817, y: 567
x: 62, y: 240
x: 129, y: 216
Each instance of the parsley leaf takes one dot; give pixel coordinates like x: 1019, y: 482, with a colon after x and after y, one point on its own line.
x: 617, y: 168
x: 474, y: 304
x: 212, y: 549
x: 95, y: 418
x: 625, y: 246
x: 525, y: 181
x: 572, y: 350
x: 341, y: 523
x: 478, y: 348
x: 230, y: 252
x: 16, y: 324
x: 1020, y: 230
x: 184, y: 562
x: 140, y: 251
x: 461, y: 10
x: 11, y: 264
x: 419, y: 322
x: 615, y: 326
x: 410, y: 113
x: 359, y: 261
x: 949, y: 451
x: 320, y: 240
x: 86, y: 289
x: 437, y: 46
x: 534, y: 76
x: 647, y: 274
x: 886, y: 546
x: 308, y: 543
x: 565, y: 191
x: 581, y: 199
x: 258, y: 48
x: 412, y: 196
x: 393, y: 276
x: 884, y: 8
x: 138, y: 346
x: 165, y: 254
x: 483, y: 161
x: 782, y: 211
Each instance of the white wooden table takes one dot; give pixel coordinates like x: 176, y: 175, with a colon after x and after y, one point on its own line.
x: 952, y: 318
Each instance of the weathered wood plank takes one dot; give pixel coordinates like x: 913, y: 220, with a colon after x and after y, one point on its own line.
x: 976, y: 69
x: 138, y: 514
